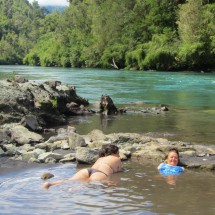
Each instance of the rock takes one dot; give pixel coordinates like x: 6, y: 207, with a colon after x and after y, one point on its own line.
x: 69, y: 146
x: 50, y: 160
x: 28, y: 155
x: 31, y: 122
x: 19, y: 79
x: 107, y: 106
x: 26, y: 147
x: 71, y: 129
x: 97, y: 144
x: 46, y: 175
x: 53, y: 84
x: 188, y: 152
x: 4, y: 136
x: 86, y: 155
x: 2, y: 153
x: 59, y: 137
x: 64, y: 145
x: 33, y: 160
x: 43, y: 157
x: 208, y: 167
x: 46, y: 146
x: 10, y: 149
x: 68, y: 158
x: 47, y: 102
x: 22, y: 135
x: 38, y: 151
x: 154, y: 157
x: 97, y: 135
x: 76, y: 140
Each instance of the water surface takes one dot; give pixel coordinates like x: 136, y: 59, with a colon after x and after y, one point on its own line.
x: 138, y: 190
x: 189, y: 97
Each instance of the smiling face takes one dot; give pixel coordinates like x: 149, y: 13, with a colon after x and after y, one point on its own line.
x: 172, y: 158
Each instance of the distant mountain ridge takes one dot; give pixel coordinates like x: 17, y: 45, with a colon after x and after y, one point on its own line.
x: 52, y: 8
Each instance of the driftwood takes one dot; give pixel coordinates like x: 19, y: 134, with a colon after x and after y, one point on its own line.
x: 107, y: 106
x: 114, y: 64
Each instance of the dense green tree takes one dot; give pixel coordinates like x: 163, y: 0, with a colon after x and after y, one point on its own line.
x: 195, y: 35
x: 19, y: 26
x: 139, y: 34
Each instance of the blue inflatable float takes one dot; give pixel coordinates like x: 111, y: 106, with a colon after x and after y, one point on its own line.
x: 166, y: 169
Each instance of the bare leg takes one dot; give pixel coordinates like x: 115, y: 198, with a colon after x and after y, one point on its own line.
x: 80, y: 175
x: 46, y: 185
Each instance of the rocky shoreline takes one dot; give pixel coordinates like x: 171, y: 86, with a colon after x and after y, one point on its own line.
x: 28, y: 108
x: 67, y: 146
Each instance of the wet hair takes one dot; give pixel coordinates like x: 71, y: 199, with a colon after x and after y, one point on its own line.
x: 108, y: 150
x: 173, y: 150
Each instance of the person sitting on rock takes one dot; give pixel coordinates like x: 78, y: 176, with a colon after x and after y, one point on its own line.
x: 170, y: 167
x: 109, y: 162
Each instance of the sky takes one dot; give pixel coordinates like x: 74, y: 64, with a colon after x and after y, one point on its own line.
x: 51, y: 2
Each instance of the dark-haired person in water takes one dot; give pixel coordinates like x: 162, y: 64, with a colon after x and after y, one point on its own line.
x: 109, y: 162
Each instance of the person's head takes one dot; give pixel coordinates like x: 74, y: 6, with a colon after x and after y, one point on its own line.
x: 173, y: 157
x: 108, y: 150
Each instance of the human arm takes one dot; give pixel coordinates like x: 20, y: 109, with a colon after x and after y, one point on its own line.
x: 159, y: 166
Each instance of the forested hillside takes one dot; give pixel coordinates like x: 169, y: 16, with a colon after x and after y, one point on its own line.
x: 138, y: 34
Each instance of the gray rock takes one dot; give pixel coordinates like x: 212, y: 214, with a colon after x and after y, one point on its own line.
x: 76, y: 140
x: 68, y: 158
x: 43, y: 157
x: 10, y: 149
x: 97, y: 135
x: 86, y: 155
x: 22, y: 135
x: 31, y: 122
x: 47, y: 102
x: 2, y: 153
x: 28, y: 155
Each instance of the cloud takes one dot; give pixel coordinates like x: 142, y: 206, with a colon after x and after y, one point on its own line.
x: 52, y: 2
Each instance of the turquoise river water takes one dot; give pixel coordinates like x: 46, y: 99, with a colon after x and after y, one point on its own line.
x: 189, y: 96
x: 139, y: 190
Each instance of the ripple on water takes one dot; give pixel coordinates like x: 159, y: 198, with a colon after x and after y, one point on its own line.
x: 139, y: 190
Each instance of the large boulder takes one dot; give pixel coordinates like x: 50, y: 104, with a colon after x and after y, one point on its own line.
x: 46, y: 102
x: 76, y: 140
x: 21, y: 135
x: 85, y: 155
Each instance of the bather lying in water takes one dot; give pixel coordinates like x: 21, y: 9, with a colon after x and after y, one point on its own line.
x: 109, y: 162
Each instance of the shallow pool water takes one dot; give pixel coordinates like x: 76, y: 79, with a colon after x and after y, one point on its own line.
x: 138, y: 190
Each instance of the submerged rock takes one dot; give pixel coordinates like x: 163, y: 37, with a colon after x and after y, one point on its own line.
x: 46, y: 175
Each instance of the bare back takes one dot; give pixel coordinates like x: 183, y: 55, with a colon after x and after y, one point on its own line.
x: 109, y: 164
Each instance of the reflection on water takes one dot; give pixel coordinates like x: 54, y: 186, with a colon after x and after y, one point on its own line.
x: 139, y: 190
x: 175, y: 125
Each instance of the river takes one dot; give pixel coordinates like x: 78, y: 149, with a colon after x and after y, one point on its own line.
x: 139, y: 190
x: 188, y: 95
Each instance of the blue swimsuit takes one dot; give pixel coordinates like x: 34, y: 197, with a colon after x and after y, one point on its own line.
x: 166, y: 169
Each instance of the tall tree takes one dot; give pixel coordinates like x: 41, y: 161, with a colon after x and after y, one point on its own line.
x: 190, y: 21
